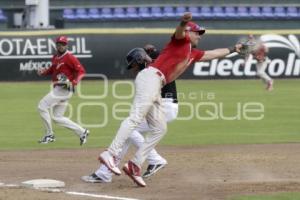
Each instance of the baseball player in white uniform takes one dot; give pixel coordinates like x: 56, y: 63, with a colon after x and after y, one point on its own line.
x: 137, y: 60
x: 259, y: 53
x: 66, y: 71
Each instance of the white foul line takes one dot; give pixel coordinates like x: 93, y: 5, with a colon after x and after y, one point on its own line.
x: 72, y: 193
x: 99, y: 196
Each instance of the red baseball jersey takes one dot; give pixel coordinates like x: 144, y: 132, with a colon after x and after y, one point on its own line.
x: 68, y: 65
x: 176, y: 57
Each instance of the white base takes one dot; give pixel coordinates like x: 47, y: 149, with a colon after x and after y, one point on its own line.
x: 43, y: 183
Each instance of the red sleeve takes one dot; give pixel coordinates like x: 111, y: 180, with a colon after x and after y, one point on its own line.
x: 198, y: 54
x: 79, y: 70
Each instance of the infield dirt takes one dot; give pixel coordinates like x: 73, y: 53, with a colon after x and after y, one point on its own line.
x: 214, y: 172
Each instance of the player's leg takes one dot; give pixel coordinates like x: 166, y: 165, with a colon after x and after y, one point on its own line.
x: 137, y: 139
x: 155, y: 163
x: 170, y: 112
x: 171, y: 109
x: 155, y: 160
x: 43, y: 107
x: 103, y: 174
x: 261, y: 72
x: 60, y: 119
x: 58, y: 116
x: 157, y: 124
x: 145, y: 95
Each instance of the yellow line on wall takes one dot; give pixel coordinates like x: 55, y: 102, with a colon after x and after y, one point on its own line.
x: 121, y: 31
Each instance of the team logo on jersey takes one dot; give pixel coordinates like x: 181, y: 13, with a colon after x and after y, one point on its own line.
x: 59, y: 65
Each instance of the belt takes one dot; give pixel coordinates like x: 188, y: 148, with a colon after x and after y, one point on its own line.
x: 161, y: 76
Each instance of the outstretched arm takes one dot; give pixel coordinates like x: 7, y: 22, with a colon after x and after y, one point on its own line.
x: 220, y: 53
x: 180, y: 30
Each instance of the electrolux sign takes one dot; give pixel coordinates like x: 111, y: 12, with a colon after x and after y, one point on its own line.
x: 284, y: 61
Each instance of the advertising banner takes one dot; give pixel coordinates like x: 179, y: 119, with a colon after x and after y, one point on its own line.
x: 103, y: 52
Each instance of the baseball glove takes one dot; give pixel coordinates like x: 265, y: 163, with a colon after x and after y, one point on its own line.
x: 247, y: 47
x: 63, y: 81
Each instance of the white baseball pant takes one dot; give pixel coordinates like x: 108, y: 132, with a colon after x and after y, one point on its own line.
x: 57, y: 100
x: 261, y: 70
x: 136, y: 138
x: 146, y: 105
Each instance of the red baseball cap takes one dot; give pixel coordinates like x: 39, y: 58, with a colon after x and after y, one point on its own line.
x: 191, y: 26
x: 62, y: 39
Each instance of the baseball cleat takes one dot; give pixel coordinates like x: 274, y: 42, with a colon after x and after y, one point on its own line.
x: 93, y: 178
x: 152, y: 169
x: 134, y: 172
x: 47, y: 138
x: 109, y: 161
x: 83, y: 137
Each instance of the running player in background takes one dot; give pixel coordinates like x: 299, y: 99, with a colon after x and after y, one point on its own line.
x: 137, y: 61
x: 259, y: 53
x: 66, y: 72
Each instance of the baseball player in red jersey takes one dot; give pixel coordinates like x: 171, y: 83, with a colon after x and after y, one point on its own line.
x: 259, y: 53
x: 174, y: 59
x: 66, y: 72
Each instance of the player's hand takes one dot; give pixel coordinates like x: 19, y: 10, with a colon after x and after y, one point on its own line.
x: 149, y: 48
x: 238, y: 48
x: 186, y: 17
x: 40, y: 71
x: 74, y: 83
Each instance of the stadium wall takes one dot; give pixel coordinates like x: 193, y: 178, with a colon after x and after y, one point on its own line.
x: 102, y: 51
x: 54, y: 4
x: 209, y: 24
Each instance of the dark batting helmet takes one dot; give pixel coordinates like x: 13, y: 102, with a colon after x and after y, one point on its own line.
x: 138, y: 56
